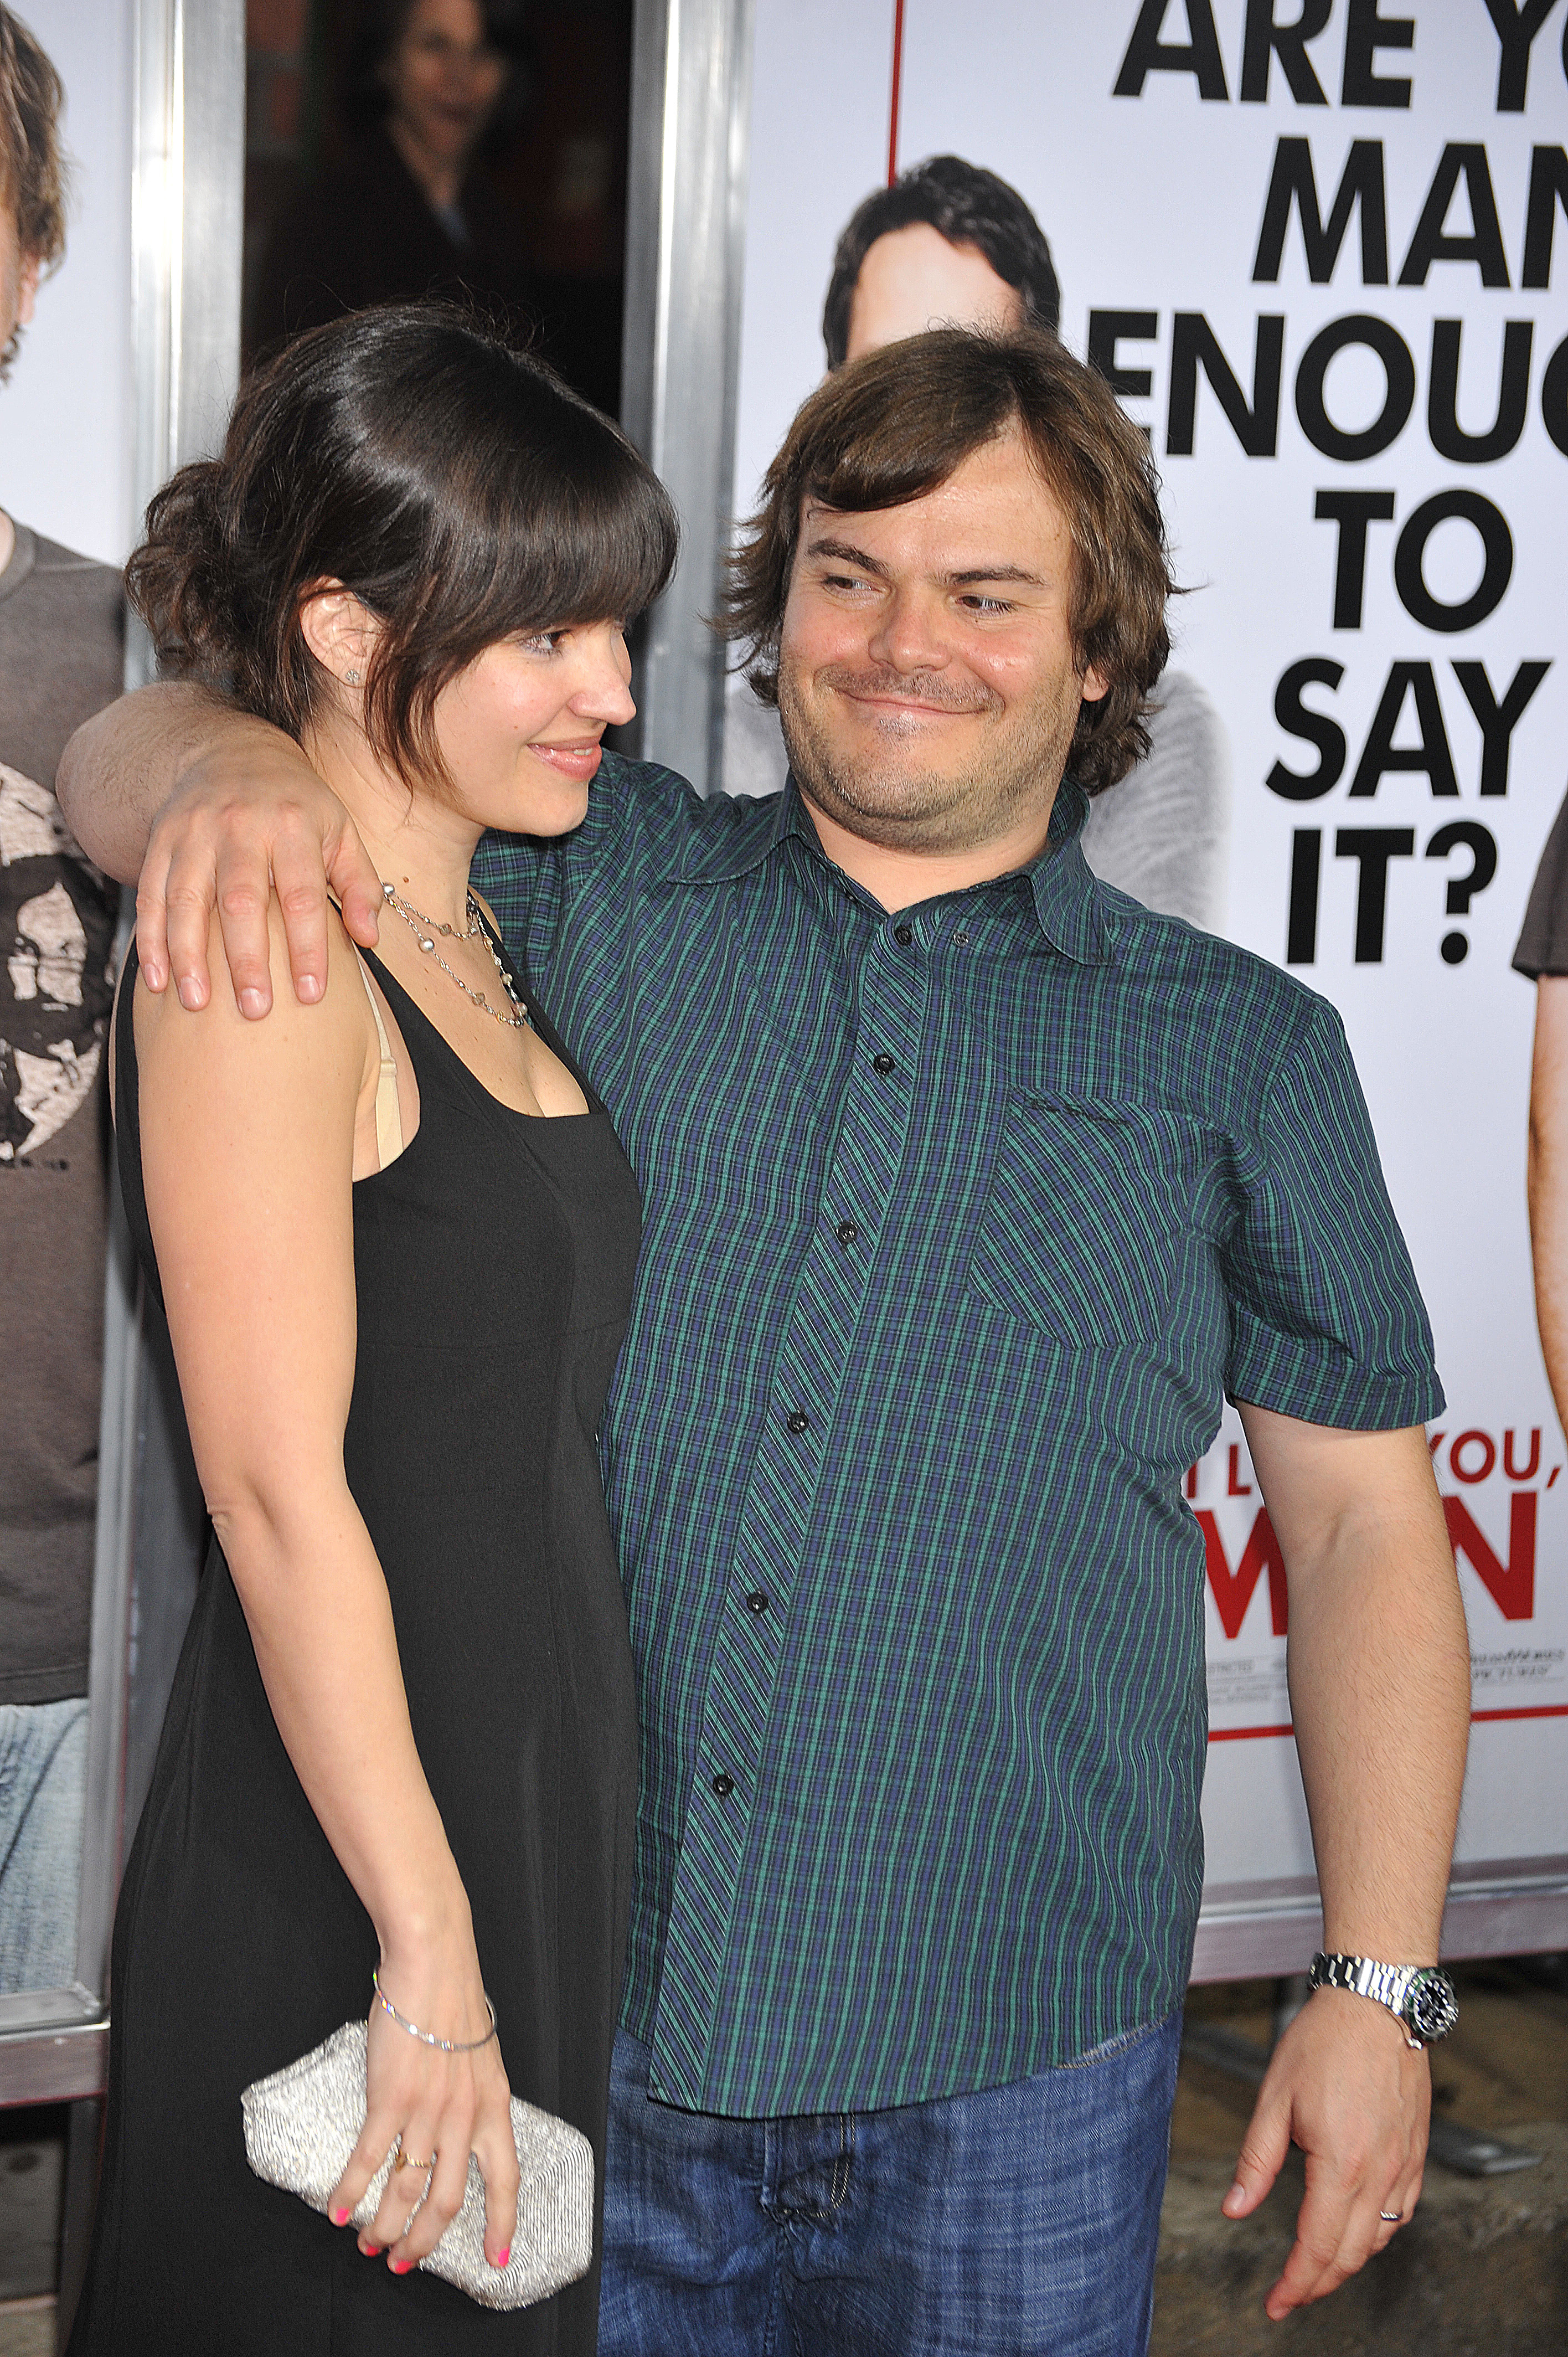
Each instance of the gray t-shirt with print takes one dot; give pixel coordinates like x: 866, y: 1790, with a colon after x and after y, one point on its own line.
x: 61, y: 659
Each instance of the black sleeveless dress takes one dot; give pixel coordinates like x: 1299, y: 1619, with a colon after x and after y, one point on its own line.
x: 493, y: 1261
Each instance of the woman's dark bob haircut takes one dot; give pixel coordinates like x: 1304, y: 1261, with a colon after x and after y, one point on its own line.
x: 451, y: 482
x: 895, y: 425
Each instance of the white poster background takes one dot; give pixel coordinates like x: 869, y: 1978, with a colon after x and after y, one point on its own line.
x: 65, y: 415
x: 1154, y: 204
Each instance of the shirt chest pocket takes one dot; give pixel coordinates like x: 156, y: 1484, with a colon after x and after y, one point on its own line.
x: 1087, y: 1221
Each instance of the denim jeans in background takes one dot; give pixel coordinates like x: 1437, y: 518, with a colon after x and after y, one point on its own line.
x: 1021, y: 2219
x: 43, y: 1803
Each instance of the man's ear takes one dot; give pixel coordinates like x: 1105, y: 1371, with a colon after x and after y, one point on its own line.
x: 1094, y: 686
x: 341, y: 632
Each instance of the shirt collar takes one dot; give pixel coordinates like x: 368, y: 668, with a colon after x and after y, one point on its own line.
x: 1071, y: 908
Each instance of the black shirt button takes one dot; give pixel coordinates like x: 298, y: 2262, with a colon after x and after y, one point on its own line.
x: 903, y: 936
x: 847, y: 1231
x: 756, y: 1602
x: 797, y: 1420
x: 882, y: 1063
x: 723, y: 1785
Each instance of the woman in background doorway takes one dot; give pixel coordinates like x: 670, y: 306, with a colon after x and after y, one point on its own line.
x: 408, y: 209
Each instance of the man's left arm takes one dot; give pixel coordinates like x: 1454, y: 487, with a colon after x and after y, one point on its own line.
x: 1380, y: 1684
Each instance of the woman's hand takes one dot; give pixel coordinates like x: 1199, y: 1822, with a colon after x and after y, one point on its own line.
x: 443, y: 2106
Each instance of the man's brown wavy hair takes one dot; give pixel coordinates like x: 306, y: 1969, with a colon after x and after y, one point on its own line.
x: 894, y: 425
x: 32, y: 172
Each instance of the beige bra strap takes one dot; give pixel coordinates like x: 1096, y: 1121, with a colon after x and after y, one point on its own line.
x: 388, y: 1116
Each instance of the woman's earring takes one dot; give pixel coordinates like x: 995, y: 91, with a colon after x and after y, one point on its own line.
x: 351, y: 679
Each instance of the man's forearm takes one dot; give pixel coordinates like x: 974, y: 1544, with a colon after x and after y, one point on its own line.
x: 120, y: 766
x: 1379, y: 1681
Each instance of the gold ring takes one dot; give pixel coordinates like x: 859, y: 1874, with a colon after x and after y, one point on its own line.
x: 407, y: 2161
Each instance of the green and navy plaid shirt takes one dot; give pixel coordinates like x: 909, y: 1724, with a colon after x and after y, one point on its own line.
x: 958, y: 1223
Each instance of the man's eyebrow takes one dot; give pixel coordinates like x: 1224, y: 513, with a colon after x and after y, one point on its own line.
x: 848, y: 554
x: 994, y: 572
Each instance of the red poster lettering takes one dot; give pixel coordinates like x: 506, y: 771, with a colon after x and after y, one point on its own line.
x: 1510, y: 1584
x: 1233, y: 1589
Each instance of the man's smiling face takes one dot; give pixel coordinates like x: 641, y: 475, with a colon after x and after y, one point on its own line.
x: 927, y: 682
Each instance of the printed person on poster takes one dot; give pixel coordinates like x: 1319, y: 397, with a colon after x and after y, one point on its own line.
x: 970, y: 1185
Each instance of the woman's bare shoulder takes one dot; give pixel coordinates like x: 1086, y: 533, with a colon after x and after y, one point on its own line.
x: 309, y: 1043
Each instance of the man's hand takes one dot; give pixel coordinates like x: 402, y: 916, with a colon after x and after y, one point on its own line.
x: 249, y: 817
x: 1344, y: 2085
x: 1379, y: 1683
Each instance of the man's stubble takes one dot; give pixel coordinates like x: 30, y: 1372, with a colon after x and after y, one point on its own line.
x: 900, y: 807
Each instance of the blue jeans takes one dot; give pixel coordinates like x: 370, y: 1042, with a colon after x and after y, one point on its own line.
x: 43, y: 1803
x: 1019, y: 2219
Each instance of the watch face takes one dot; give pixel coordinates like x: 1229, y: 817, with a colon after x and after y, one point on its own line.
x: 1432, y: 2006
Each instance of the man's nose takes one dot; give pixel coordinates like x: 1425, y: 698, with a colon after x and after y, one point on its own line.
x: 910, y: 634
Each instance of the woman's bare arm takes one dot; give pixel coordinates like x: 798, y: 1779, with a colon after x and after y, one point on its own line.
x: 248, y: 1142
x: 204, y: 807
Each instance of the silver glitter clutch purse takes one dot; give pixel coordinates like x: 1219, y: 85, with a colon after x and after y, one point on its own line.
x: 302, y: 2124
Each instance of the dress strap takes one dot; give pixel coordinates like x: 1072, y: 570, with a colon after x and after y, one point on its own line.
x: 389, y: 1114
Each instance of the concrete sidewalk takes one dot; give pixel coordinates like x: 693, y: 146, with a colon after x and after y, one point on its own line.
x: 1482, y: 2268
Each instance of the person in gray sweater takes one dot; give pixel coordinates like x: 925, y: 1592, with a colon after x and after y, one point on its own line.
x: 61, y: 660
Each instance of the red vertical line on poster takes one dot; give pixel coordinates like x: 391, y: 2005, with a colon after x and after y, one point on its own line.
x: 898, y: 82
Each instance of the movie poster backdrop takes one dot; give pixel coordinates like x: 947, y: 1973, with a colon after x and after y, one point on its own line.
x: 1322, y: 263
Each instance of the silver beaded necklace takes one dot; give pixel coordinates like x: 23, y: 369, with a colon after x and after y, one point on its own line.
x: 424, y: 930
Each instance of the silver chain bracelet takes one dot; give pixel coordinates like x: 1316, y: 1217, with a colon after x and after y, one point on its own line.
x: 428, y: 2037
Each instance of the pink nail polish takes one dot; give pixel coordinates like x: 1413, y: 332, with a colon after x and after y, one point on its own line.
x: 402, y: 2266
x: 339, y: 2217
x: 503, y: 2258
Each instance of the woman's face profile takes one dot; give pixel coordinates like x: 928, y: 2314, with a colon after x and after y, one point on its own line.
x: 520, y: 729
x: 444, y: 77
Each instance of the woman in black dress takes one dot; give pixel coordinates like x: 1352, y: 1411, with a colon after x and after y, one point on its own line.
x: 394, y: 1235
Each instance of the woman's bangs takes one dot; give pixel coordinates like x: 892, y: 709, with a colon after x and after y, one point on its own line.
x: 588, y: 536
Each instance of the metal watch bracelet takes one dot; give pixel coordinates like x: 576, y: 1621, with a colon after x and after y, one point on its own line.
x: 1420, y: 1997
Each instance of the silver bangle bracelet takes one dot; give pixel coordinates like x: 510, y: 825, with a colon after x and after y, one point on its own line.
x: 427, y: 2037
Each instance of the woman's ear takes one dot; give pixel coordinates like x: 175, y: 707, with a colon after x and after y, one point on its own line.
x: 341, y: 632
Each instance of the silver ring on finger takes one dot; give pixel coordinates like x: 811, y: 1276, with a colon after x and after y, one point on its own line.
x: 1390, y: 2217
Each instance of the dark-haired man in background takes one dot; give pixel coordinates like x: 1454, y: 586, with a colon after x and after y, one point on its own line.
x: 60, y: 659
x: 946, y: 242
x: 969, y: 1186
x: 950, y: 243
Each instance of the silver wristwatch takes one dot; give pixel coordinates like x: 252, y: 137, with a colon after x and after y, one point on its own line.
x: 1420, y: 1997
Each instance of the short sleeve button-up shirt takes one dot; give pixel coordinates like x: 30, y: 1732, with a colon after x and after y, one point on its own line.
x: 958, y: 1224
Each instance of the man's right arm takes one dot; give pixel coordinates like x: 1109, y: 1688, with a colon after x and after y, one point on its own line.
x: 203, y: 806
